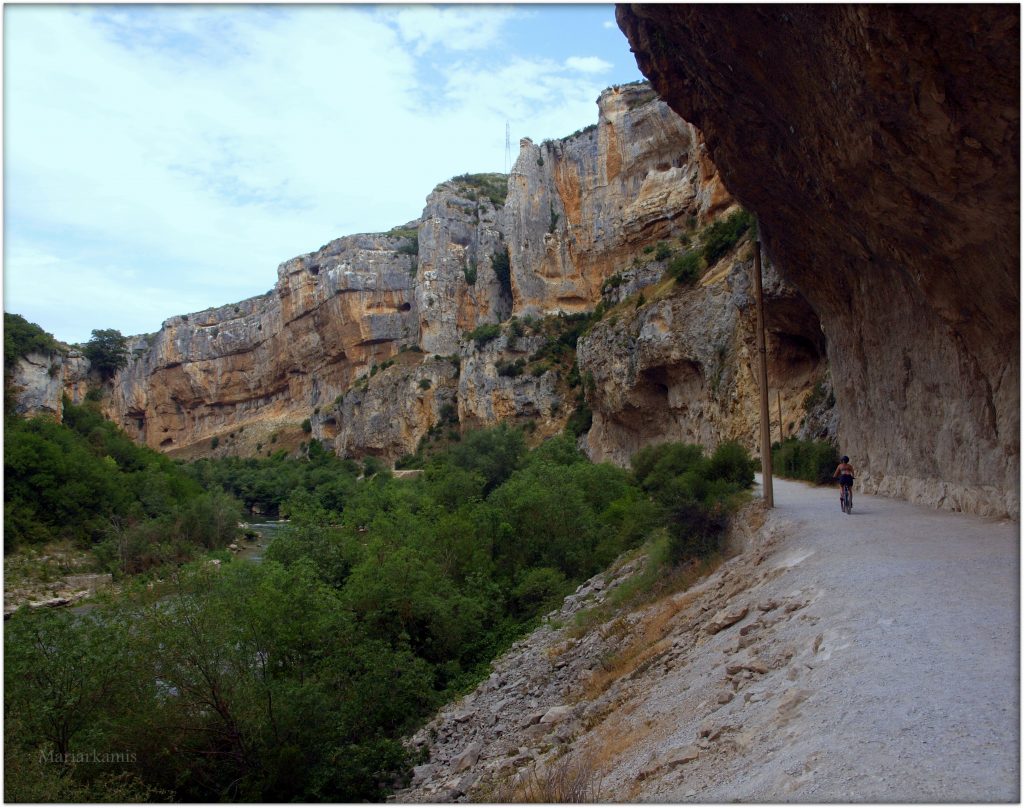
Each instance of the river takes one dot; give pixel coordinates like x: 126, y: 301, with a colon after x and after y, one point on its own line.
x: 266, y: 530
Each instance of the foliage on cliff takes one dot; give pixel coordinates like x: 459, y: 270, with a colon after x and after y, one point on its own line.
x: 22, y: 337
x: 107, y: 351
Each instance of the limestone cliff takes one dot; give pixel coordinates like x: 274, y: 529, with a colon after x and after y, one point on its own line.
x: 326, y: 343
x: 579, y: 209
x: 880, y: 147
x: 681, y: 364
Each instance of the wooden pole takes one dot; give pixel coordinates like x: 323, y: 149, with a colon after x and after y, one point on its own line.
x: 766, y: 442
x: 778, y: 399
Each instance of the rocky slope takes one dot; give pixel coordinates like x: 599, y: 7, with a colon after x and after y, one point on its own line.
x: 367, y: 337
x: 886, y: 174
x: 800, y: 670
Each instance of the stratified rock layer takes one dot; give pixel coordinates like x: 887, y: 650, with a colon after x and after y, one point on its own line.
x: 880, y: 148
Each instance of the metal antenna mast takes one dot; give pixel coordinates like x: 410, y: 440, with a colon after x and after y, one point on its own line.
x: 508, y: 148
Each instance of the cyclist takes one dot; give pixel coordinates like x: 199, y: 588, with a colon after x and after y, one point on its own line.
x: 844, y: 471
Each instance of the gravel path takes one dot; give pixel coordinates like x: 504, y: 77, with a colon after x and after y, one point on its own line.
x: 920, y: 699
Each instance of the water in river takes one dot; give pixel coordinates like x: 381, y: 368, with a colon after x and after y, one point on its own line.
x: 253, y: 550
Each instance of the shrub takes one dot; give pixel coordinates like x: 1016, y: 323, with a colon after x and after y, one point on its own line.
x: 814, y: 461
x: 483, y: 334
x: 307, y: 426
x: 469, y: 270
x: 580, y: 421
x: 614, y: 282
x: 22, y: 337
x: 720, y: 237
x: 511, y: 369
x: 424, y: 384
x: 731, y: 462
x: 662, y: 251
x: 685, y: 268
x: 214, y: 442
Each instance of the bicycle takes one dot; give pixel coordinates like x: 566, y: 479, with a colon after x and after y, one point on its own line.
x: 846, y: 499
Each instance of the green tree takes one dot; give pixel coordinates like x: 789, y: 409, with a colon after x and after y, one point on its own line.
x: 107, y: 351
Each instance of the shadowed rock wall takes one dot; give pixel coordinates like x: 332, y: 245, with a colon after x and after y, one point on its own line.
x: 880, y: 148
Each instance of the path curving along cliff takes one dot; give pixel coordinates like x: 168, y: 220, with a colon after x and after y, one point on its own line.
x: 863, y: 658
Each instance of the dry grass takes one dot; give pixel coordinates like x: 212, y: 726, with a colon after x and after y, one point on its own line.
x: 566, y: 779
x: 651, y: 633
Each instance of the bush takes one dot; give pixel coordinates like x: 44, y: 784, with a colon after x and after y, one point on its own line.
x: 662, y: 251
x: 511, y: 369
x: 685, y: 268
x: 307, y: 426
x: 424, y: 384
x: 814, y: 461
x: 469, y: 270
x: 483, y: 334
x: 720, y: 237
x: 732, y: 463
x: 22, y: 337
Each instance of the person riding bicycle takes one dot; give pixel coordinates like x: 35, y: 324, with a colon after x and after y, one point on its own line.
x: 845, y: 473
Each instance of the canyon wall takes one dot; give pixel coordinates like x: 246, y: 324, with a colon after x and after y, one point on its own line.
x: 367, y: 337
x: 880, y: 147
x: 372, y: 344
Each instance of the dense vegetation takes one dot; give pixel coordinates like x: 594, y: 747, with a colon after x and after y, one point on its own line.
x: 295, y: 679
x: 814, y: 461
x: 86, y: 480
x: 22, y: 338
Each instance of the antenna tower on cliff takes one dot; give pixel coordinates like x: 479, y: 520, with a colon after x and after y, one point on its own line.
x: 508, y: 147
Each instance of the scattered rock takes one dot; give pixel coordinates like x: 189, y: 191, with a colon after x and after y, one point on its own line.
x: 556, y: 714
x: 726, y: 617
x: 468, y: 757
x: 724, y: 696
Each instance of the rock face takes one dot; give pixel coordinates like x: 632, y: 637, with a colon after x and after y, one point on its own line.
x: 880, y: 148
x: 274, y: 358
x: 326, y: 343
x: 578, y: 208
x: 683, y: 366
x: 41, y: 381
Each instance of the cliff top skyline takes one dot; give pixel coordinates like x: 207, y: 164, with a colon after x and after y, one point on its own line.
x: 166, y: 159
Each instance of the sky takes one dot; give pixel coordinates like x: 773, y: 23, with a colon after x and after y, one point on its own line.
x: 160, y: 160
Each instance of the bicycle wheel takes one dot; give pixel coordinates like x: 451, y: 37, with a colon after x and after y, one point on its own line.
x: 847, y: 501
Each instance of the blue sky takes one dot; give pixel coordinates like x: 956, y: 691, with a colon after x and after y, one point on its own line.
x: 159, y: 160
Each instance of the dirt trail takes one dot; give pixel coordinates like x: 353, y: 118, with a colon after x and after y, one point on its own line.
x: 864, y: 658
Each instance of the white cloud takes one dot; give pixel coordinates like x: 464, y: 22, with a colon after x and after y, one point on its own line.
x: 609, y: 24
x: 454, y: 28
x: 588, y: 64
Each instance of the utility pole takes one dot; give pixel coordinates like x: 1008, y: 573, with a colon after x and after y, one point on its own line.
x: 778, y: 399
x: 766, y: 440
x: 508, y: 147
